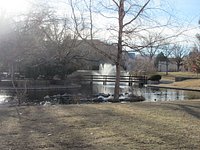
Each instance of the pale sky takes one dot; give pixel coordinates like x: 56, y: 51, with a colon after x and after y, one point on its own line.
x: 14, y: 6
x: 187, y: 12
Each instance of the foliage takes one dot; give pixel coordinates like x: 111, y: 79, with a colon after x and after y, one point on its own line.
x: 155, y: 77
x: 193, y: 62
x: 43, y: 44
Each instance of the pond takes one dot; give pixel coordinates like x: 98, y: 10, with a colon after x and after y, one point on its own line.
x: 150, y: 94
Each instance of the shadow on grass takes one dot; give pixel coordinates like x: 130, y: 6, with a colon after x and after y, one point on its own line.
x: 193, y: 110
x: 135, y: 131
x: 116, y: 126
x: 40, y: 129
x: 190, y: 109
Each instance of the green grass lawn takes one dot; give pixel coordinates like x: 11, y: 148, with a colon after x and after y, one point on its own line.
x: 167, y: 126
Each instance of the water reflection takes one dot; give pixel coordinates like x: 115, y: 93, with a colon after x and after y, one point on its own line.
x: 4, y: 95
x: 150, y: 94
x: 162, y: 94
x: 108, y: 89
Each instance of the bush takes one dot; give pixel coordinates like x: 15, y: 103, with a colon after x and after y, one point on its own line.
x: 155, y: 77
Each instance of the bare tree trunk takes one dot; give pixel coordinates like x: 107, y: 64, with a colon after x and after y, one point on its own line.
x: 121, y: 14
x: 167, y: 67
x: 178, y: 66
x: 20, y: 95
x: 117, y: 82
x: 13, y: 83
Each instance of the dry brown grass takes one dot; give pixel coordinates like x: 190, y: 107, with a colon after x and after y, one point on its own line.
x: 174, y: 125
x: 192, y: 83
x: 171, y: 75
x: 180, y: 74
x: 188, y: 83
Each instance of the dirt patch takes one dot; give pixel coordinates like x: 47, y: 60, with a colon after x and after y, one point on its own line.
x: 174, y: 125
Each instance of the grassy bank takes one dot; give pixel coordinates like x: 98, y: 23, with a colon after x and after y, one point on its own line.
x: 191, y: 83
x: 170, y: 125
x: 180, y: 74
x: 169, y: 80
x: 172, y: 75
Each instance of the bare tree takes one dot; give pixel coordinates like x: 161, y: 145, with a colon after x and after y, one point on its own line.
x: 128, y: 24
x: 13, y: 45
x: 142, y: 66
x: 55, y: 43
x: 153, y: 41
x: 123, y: 9
x: 178, y: 54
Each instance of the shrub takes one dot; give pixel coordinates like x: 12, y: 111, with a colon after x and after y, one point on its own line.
x: 155, y: 77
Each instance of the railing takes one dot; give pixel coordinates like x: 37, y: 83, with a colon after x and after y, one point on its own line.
x: 111, y: 78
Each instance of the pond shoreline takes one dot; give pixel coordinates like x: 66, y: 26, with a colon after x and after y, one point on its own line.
x: 172, y: 87
x: 40, y: 87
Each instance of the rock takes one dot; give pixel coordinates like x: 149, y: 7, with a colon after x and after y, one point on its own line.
x: 102, y: 94
x: 136, y: 98
x: 110, y: 98
x: 101, y: 99
x: 47, y: 103
x: 65, y: 94
x: 56, y: 77
x: 123, y: 102
x: 47, y: 97
x: 124, y: 97
x: 41, y: 77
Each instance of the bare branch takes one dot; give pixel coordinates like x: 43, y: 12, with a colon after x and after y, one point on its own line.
x: 116, y: 3
x: 137, y: 15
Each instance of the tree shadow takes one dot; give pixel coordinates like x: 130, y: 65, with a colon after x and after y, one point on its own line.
x: 190, y: 109
x: 193, y: 110
x: 81, y: 127
x: 140, y: 131
x: 40, y: 129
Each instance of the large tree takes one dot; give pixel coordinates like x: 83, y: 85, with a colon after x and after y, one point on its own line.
x: 128, y: 17
x: 125, y: 22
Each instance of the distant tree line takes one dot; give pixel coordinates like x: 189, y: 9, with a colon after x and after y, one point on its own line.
x: 43, y: 44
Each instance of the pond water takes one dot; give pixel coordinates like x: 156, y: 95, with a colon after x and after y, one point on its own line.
x: 150, y: 94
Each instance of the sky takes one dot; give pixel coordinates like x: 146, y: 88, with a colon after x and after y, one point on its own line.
x: 14, y: 6
x: 187, y: 9
x: 187, y: 12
